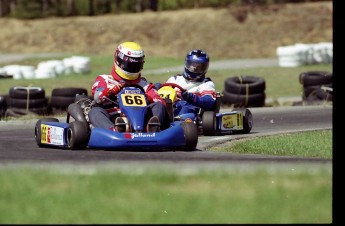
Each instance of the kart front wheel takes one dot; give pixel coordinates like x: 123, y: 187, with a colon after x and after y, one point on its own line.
x: 77, y: 136
x: 191, y: 135
x: 38, y: 130
x: 209, y: 123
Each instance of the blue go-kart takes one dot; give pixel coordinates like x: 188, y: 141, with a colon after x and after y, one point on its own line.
x: 213, y: 122
x: 78, y: 133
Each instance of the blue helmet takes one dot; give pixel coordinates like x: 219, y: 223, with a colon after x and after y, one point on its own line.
x: 196, y: 65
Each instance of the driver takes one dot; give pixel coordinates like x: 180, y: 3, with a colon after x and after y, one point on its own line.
x: 199, y: 91
x: 128, y: 63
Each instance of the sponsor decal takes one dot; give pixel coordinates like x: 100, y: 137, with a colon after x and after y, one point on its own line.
x: 232, y: 121
x: 229, y: 121
x: 131, y: 91
x: 139, y: 135
x: 51, y: 135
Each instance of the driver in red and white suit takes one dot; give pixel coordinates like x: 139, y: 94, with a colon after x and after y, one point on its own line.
x: 128, y: 63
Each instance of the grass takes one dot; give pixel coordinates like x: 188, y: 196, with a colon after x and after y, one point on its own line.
x: 72, y: 195
x: 302, y: 144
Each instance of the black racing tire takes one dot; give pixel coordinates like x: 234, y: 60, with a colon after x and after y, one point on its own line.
x: 324, y: 95
x: 190, y: 131
x: 247, y: 120
x: 312, y: 97
x: 33, y: 103
x: 41, y: 111
x: 209, y: 123
x: 245, y: 84
x: 68, y: 92
x: 12, y: 111
x: 307, y: 90
x: 77, y: 136
x: 22, y: 93
x: 312, y: 78
x: 61, y: 102
x: 3, y: 106
x: 38, y: 129
x: 241, y: 100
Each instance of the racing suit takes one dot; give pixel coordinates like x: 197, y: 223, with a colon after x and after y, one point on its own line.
x: 104, y: 86
x: 198, y: 95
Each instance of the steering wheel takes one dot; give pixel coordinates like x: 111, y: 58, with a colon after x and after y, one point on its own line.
x: 173, y: 85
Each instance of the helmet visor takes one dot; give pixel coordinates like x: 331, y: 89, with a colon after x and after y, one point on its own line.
x: 196, y: 67
x: 130, y: 64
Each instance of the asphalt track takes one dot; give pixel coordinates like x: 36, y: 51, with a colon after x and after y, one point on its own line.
x: 17, y: 142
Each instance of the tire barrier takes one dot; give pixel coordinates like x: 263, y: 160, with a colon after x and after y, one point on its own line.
x: 244, y: 91
x: 22, y: 100
x: 317, y: 86
x: 62, y: 97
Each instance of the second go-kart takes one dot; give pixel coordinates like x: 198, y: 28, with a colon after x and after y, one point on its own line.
x: 78, y: 133
x: 211, y: 123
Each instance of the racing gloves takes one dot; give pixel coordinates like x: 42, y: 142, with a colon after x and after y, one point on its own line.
x: 205, y: 102
x: 101, y: 93
x: 189, y: 97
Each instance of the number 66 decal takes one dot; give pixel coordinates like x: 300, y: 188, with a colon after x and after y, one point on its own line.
x: 133, y: 100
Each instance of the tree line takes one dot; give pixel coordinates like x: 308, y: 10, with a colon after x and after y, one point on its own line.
x: 32, y: 9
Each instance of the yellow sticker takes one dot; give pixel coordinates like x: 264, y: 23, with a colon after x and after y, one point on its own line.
x: 233, y: 121
x: 132, y: 99
x: 44, y: 133
x: 167, y: 92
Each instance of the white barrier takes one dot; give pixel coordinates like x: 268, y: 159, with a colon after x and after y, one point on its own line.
x: 13, y: 70
x: 28, y: 72
x: 81, y: 64
x: 50, y: 68
x: 302, y: 54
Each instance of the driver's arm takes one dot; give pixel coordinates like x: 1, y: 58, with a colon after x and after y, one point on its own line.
x: 152, y: 94
x: 207, y: 101
x: 102, y: 88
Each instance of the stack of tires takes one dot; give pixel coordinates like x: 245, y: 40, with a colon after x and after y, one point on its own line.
x: 317, y: 86
x: 23, y: 100
x: 62, y: 97
x: 244, y: 91
x: 3, y: 106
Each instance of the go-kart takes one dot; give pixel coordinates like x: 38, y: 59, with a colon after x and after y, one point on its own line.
x: 211, y: 123
x: 78, y: 133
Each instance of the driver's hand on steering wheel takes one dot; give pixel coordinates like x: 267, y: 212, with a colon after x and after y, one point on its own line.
x: 116, y: 88
x: 187, y: 96
x: 178, y: 93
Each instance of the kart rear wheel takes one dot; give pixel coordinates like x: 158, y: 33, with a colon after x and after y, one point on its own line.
x: 38, y: 131
x: 191, y: 135
x: 77, y: 136
x: 209, y: 123
x: 247, y: 120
